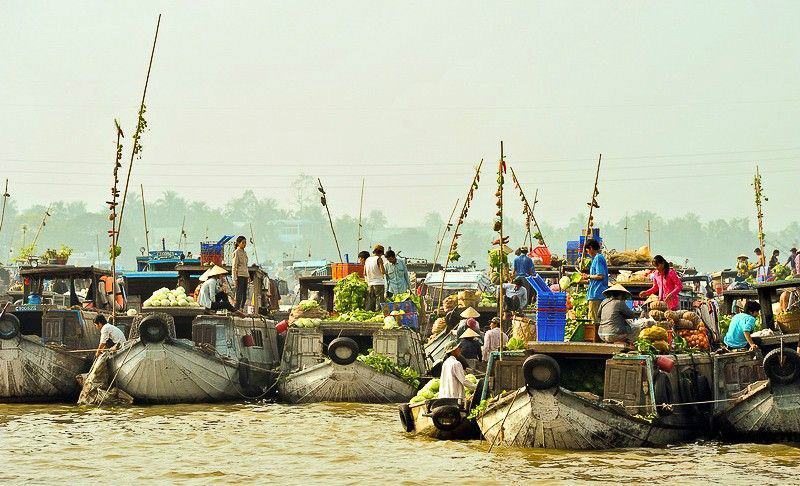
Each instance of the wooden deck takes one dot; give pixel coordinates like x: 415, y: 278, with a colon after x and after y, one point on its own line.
x: 605, y: 349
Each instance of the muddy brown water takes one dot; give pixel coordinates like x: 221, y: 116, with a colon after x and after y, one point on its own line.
x: 328, y: 444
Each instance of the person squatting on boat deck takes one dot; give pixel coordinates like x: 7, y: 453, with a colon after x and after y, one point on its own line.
x: 469, y: 344
x: 666, y: 283
x: 111, y: 337
x: 468, y: 322
x: 493, y: 339
x: 212, y: 295
x: 241, y: 275
x: 375, y: 274
x: 597, y: 278
x: 453, y: 380
x: 742, y: 325
x: 616, y: 318
x: 516, y: 296
x: 397, y: 279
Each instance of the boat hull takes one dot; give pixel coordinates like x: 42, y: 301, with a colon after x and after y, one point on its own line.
x: 559, y: 419
x: 764, y: 412
x: 355, y: 383
x: 31, y: 372
x: 172, y: 372
x: 424, y: 426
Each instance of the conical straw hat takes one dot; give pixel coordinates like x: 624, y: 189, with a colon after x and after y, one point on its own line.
x: 470, y: 312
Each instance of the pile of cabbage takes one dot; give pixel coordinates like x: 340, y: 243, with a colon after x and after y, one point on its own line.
x: 431, y: 390
x: 165, y: 297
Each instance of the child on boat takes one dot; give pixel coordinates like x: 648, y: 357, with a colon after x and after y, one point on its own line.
x: 742, y: 325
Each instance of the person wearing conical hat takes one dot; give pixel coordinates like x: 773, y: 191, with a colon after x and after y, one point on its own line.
x: 453, y: 380
x: 616, y: 318
x: 470, y: 346
x: 468, y: 321
x: 212, y: 296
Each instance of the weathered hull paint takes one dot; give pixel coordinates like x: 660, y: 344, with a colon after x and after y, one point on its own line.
x: 423, y: 426
x: 169, y: 372
x: 31, y: 372
x: 559, y: 419
x: 764, y: 413
x: 355, y: 383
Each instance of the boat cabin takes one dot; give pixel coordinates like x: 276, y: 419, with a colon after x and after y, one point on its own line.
x: 235, y: 337
x: 258, y: 288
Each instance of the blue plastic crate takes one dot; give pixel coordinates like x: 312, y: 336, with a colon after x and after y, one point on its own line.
x: 553, y: 300
x: 539, y: 285
x: 547, y: 332
x: 406, y: 306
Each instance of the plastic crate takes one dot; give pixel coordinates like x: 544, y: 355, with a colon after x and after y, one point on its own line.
x: 539, y: 285
x: 552, y: 300
x: 406, y: 306
x: 342, y: 270
x: 551, y: 325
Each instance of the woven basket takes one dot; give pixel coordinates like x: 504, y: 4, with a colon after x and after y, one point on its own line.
x: 789, y: 321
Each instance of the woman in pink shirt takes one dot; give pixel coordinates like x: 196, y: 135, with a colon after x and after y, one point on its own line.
x: 666, y: 283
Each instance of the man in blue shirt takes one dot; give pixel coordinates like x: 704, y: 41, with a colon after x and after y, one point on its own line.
x: 597, y: 279
x: 742, y: 325
x: 397, y: 278
x: 523, y: 264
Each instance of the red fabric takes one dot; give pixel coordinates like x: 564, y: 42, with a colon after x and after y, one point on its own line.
x: 665, y: 285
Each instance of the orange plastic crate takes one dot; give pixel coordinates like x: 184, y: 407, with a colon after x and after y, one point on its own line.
x: 341, y: 270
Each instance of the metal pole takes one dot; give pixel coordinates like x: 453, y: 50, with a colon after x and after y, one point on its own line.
x: 146, y: 231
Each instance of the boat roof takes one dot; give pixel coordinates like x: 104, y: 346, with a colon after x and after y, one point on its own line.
x: 62, y: 271
x: 199, y: 269
x: 458, y: 280
x: 154, y: 275
x: 310, y: 264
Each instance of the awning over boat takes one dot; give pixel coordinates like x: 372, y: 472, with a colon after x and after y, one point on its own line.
x: 458, y: 280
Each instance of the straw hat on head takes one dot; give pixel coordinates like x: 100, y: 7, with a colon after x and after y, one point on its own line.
x: 616, y: 288
x: 213, y: 272
x: 451, y: 347
x: 469, y: 333
x: 742, y: 257
x: 470, y: 312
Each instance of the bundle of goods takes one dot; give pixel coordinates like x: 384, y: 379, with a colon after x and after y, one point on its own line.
x: 164, y: 297
x: 469, y: 298
x: 439, y: 325
x: 450, y: 302
x: 626, y: 276
x: 789, y: 321
x: 642, y: 256
x: 688, y: 325
x: 653, y: 339
x: 350, y: 293
x: 307, y: 309
x: 523, y: 329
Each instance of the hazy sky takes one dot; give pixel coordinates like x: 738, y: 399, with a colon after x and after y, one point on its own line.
x: 682, y: 99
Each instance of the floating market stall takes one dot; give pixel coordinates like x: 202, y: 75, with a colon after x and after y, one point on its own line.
x: 442, y: 418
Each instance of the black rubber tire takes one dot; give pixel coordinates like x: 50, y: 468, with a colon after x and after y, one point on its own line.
x: 662, y: 389
x: 406, y: 417
x: 782, y: 374
x: 685, y: 391
x: 9, y: 326
x: 342, y: 344
x: 541, y: 372
x: 245, y: 372
x: 153, y: 329
x: 446, y: 418
x: 704, y: 392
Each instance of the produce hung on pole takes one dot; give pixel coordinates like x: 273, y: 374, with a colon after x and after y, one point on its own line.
x: 527, y: 211
x: 590, y: 221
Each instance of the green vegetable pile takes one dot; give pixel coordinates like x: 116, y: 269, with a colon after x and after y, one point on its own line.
x: 306, y: 322
x: 308, y: 304
x: 782, y: 272
x: 383, y: 364
x: 350, y: 294
x: 358, y: 315
x: 515, y: 344
x: 406, y: 296
x: 431, y: 390
x: 481, y: 408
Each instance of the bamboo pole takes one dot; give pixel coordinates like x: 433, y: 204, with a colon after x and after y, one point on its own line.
x: 360, y: 211
x: 500, y: 171
x: 253, y: 241
x: 324, y: 201
x: 141, y: 124
x: 41, y: 226
x: 440, y: 237
x: 592, y: 204
x: 528, y: 209
x: 759, y: 214
x: 626, y: 231
x: 463, y: 215
x: 6, y: 195
x: 114, y: 232
x: 144, y: 214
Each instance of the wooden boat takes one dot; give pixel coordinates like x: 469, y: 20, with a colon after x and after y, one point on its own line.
x: 321, y: 364
x: 225, y: 358
x: 642, y: 404
x: 441, y: 418
x: 43, y: 347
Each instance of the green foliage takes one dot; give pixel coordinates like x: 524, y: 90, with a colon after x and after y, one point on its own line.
x: 306, y: 322
x: 349, y: 294
x: 114, y: 251
x: 515, y: 344
x: 383, y: 364
x: 358, y: 315
x: 407, y: 296
x: 25, y: 253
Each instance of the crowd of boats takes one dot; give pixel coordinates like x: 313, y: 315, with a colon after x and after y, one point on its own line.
x: 561, y: 395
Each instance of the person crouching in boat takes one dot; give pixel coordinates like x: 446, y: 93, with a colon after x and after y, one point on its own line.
x: 616, y: 318
x: 516, y: 296
x: 469, y: 345
x: 111, y: 337
x: 742, y: 325
x: 494, y: 338
x: 468, y: 322
x: 212, y: 295
x: 453, y: 380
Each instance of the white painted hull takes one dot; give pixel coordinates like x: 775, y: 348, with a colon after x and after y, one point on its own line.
x: 562, y: 420
x: 764, y: 413
x: 30, y: 372
x: 169, y: 372
x: 355, y: 383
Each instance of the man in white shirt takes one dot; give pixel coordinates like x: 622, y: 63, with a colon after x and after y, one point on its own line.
x: 516, y: 296
x: 494, y: 339
x: 453, y: 380
x: 111, y: 337
x: 375, y: 275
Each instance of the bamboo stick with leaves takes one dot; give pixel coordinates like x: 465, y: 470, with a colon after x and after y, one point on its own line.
x: 759, y: 212
x: 590, y: 221
x: 113, y: 233
x: 527, y: 211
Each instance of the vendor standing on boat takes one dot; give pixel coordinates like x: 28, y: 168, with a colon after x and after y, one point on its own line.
x: 616, y: 318
x: 666, y: 283
x: 453, y: 380
x: 111, y: 337
x: 494, y: 338
x: 741, y: 327
x: 241, y: 274
x: 212, y: 296
x: 397, y: 279
x: 375, y: 274
x: 469, y: 344
x: 597, y: 278
x: 524, y: 267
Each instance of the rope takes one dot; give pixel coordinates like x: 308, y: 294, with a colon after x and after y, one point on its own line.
x: 705, y: 402
x: 510, y: 405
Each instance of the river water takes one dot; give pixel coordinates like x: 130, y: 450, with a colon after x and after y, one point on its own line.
x: 328, y: 443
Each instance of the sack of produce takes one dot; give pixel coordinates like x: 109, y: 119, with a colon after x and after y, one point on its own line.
x: 672, y: 316
x: 439, y: 325
x: 307, y: 309
x: 657, y: 315
x: 659, y: 305
x: 654, y: 334
x: 685, y: 324
x: 523, y: 329
x: 450, y: 302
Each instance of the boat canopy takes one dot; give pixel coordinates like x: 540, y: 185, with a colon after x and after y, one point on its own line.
x: 458, y: 280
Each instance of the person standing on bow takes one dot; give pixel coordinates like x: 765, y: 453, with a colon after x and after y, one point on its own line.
x: 397, y: 279
x: 597, y: 278
x: 666, y: 283
x: 453, y: 380
x: 240, y: 272
x: 375, y: 274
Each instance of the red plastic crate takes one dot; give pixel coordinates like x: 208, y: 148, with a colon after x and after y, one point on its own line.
x: 341, y: 270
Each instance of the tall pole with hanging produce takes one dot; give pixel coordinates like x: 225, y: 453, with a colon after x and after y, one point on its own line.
x: 501, y: 240
x: 441, y: 234
x: 6, y: 195
x: 759, y: 210
x: 527, y: 211
x: 324, y: 200
x: 453, y: 255
x: 590, y: 221
x: 144, y: 215
x: 114, y: 231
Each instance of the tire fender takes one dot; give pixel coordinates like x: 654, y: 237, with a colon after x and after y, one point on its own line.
x: 783, y: 373
x: 343, y: 351
x: 406, y: 417
x: 541, y: 372
x: 446, y: 418
x: 9, y: 326
x: 662, y: 389
x: 245, y: 372
x: 153, y: 329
